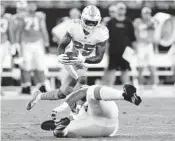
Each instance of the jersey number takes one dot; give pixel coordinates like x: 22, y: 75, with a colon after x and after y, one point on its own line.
x: 32, y: 23
x: 86, y: 48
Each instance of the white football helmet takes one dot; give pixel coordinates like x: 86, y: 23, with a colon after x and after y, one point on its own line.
x: 22, y: 4
x: 90, y: 17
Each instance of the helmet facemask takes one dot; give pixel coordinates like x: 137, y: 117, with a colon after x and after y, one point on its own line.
x: 88, y: 25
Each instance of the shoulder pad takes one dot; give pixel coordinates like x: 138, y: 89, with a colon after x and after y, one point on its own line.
x: 103, y: 33
x: 72, y: 25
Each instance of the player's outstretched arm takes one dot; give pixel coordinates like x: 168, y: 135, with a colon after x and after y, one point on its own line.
x: 100, y: 50
x: 64, y: 43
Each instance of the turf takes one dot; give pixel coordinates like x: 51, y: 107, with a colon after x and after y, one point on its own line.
x: 153, y: 120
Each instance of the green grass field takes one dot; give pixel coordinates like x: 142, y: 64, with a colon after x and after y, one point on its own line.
x: 153, y: 120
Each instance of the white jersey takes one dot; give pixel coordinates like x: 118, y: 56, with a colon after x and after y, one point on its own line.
x: 86, y: 44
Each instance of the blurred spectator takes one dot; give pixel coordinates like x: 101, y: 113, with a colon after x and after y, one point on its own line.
x: 74, y: 13
x: 105, y: 20
x: 59, y: 30
x: 112, y: 11
x: 4, y: 42
x: 171, y: 54
x: 144, y: 29
x: 173, y: 61
x: 121, y: 33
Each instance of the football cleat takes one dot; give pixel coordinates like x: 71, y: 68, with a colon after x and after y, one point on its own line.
x: 34, y: 100
x: 43, y: 89
x: 130, y: 94
x: 60, y: 126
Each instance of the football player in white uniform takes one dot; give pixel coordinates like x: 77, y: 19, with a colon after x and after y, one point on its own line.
x: 33, y: 37
x: 144, y: 29
x: 98, y: 117
x: 86, y: 35
x: 4, y: 43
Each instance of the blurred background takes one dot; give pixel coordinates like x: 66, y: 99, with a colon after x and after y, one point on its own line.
x: 161, y: 67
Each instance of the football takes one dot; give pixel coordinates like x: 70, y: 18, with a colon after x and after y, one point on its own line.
x: 71, y: 55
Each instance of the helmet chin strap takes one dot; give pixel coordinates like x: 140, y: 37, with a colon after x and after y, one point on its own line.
x: 85, y: 32
x: 88, y: 31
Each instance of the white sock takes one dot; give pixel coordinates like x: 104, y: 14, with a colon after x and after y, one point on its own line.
x: 107, y: 93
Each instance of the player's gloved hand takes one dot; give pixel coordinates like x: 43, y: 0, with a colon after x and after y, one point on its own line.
x: 77, y: 60
x: 63, y: 59
x: 63, y: 107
